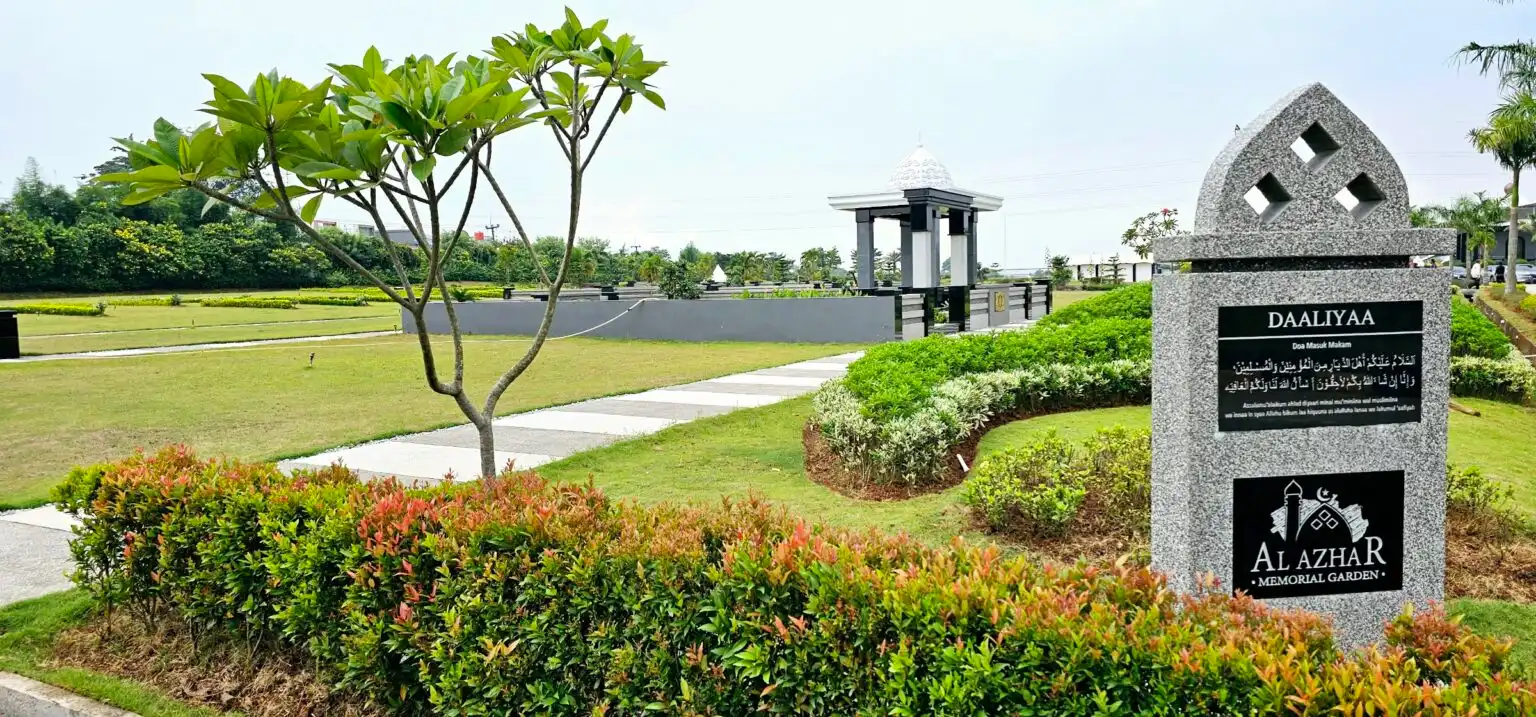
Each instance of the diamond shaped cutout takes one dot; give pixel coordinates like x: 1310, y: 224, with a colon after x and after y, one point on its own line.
x: 1315, y: 146
x: 1267, y: 198
x: 1360, y: 196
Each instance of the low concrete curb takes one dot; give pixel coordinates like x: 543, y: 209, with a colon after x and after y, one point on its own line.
x: 23, y: 697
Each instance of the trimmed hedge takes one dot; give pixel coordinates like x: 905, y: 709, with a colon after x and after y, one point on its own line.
x: 248, y: 302
x: 330, y: 300
x: 1473, y: 334
x: 1133, y: 301
x: 913, y: 449
x: 515, y: 596
x: 1511, y: 378
x: 60, y: 309
x: 173, y: 300
x: 892, y: 380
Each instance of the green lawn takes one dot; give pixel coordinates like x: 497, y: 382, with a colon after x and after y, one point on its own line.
x: 27, y: 630
x: 760, y: 450
x: 757, y: 450
x: 266, y: 403
x: 1498, y: 441
x: 1062, y: 298
x: 205, y: 334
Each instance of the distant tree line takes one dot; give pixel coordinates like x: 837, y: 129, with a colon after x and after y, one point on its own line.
x: 87, y: 240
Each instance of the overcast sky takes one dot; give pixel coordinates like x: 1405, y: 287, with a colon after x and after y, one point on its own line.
x: 1082, y: 114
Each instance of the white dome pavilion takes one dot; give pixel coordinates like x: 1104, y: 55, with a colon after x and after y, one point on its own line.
x: 921, y: 170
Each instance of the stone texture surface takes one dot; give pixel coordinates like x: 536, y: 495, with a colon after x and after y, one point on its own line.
x: 1194, y: 464
x: 26, y: 697
x: 34, y: 561
x: 1263, y: 147
x: 1337, y: 242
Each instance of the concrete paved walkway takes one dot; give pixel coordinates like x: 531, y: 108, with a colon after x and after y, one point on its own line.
x: 532, y: 439
x: 34, y: 544
x: 152, y: 350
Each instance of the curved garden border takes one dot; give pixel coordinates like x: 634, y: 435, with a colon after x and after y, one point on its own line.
x: 913, y: 454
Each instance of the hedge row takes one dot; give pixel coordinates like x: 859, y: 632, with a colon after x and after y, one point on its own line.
x: 1127, y: 302
x: 515, y: 596
x: 173, y: 300
x: 913, y: 449
x: 1511, y: 378
x: 60, y: 309
x: 355, y: 300
x: 894, y: 380
x: 248, y: 302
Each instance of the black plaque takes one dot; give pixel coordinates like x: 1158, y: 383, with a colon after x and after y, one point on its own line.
x: 1294, y: 536
x: 1309, y: 365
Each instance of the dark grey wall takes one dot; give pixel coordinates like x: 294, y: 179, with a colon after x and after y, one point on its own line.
x: 866, y: 319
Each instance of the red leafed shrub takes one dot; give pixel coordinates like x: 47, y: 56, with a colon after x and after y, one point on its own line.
x: 515, y: 596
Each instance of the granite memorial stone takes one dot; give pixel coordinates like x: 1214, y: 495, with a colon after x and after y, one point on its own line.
x: 1301, y: 377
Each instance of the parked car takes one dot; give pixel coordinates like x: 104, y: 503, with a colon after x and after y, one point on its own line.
x: 1525, y: 273
x: 1459, y: 277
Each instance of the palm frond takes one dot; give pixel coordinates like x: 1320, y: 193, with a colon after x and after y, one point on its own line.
x: 1514, y: 62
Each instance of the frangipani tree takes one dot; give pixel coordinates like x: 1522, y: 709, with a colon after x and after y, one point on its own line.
x: 395, y: 140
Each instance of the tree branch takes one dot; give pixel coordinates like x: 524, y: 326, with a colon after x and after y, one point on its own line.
x: 518, y: 225
x: 522, y: 364
x: 604, y: 132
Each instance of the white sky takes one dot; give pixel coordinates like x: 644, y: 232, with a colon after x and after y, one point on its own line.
x: 1082, y: 114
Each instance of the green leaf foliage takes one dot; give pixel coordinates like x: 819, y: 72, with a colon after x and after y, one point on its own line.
x: 1473, y: 334
x: 512, y: 595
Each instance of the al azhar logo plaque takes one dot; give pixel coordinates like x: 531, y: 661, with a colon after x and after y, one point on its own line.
x: 1294, y: 536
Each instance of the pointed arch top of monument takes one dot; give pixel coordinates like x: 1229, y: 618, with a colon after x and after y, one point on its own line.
x: 1338, y: 177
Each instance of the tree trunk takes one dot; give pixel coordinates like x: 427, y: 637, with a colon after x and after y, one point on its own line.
x: 1512, y: 245
x: 488, y: 467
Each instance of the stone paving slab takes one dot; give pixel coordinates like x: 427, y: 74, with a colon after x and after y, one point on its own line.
x: 33, y: 561
x: 533, y: 441
x: 702, y: 398
x: 674, y: 411
x: 743, y: 389
x: 764, y: 379
x: 802, y: 371
x: 583, y: 422
x: 42, y: 517
x: 404, y: 458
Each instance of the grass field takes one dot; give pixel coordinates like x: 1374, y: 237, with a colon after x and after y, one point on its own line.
x: 205, y: 335
x: 266, y: 403
x: 124, y: 327
x: 27, y: 630
x: 760, y: 450
x: 1062, y: 298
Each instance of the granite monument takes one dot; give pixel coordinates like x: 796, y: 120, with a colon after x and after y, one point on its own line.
x: 1301, y: 377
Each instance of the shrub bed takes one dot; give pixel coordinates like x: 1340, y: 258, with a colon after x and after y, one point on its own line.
x: 1127, y: 302
x: 172, y: 300
x: 248, y: 302
x: 356, y: 300
x: 1511, y: 378
x: 913, y: 449
x: 902, y: 408
x: 60, y: 309
x: 1473, y: 334
x: 514, y: 596
x: 1045, y: 488
x: 894, y: 380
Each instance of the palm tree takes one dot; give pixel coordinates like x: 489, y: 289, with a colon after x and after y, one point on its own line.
x: 1511, y: 138
x: 1514, y: 62
x: 1473, y: 215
